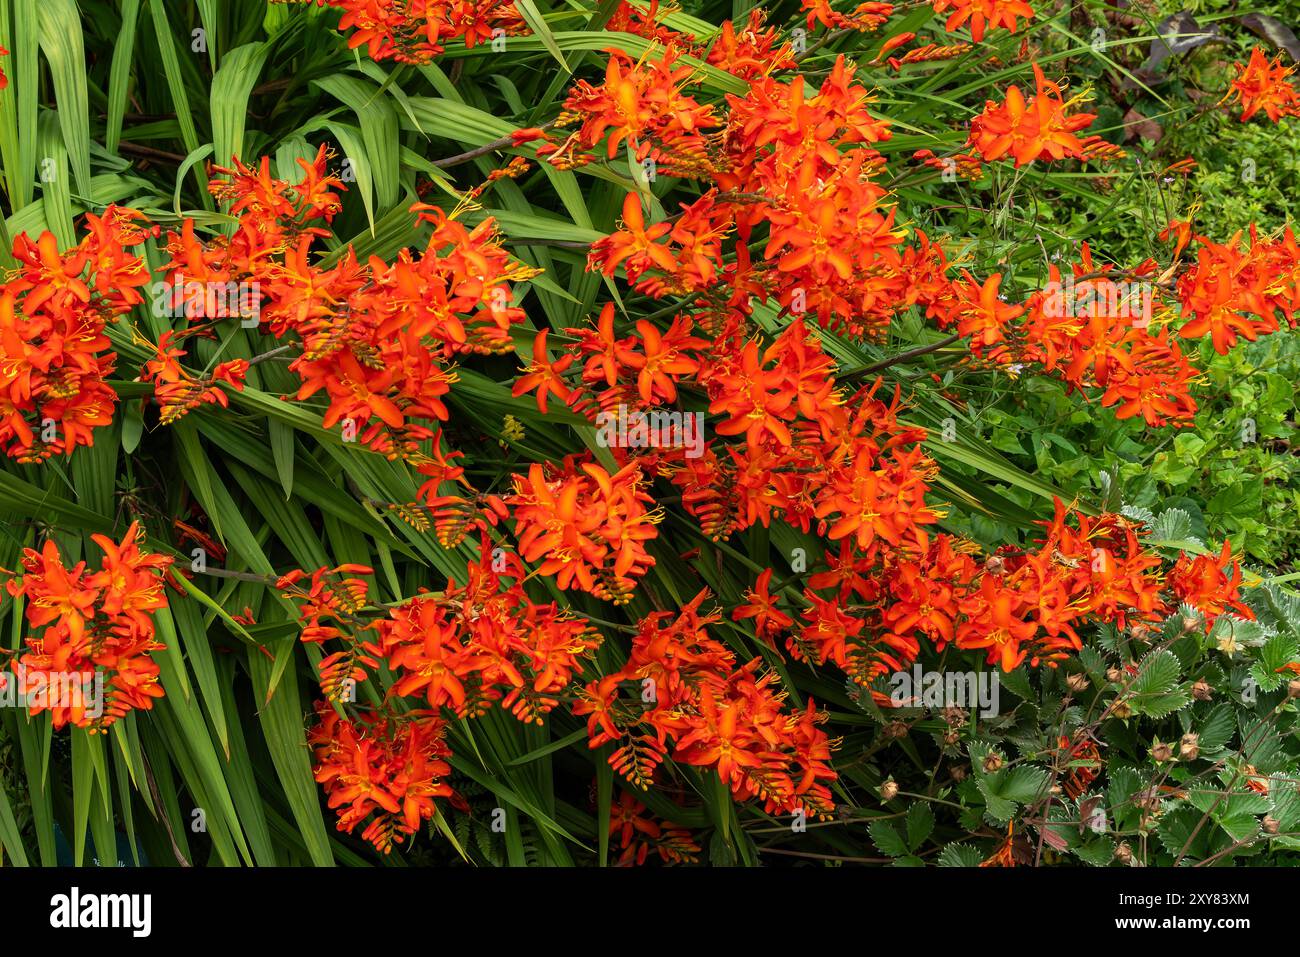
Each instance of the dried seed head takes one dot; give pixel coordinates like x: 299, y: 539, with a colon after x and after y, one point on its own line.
x: 1189, y: 748
x: 1202, y: 691
x: 995, y: 565
x: 1161, y: 752
x: 1077, y: 682
x: 1140, y: 632
x: 896, y: 729
x: 1114, y: 674
x: 959, y: 773
x: 954, y: 716
x: 888, y: 790
x: 1190, y: 624
x: 951, y: 736
x: 1122, y: 709
x: 992, y: 763
x: 1293, y: 688
x: 1124, y: 853
x: 1271, y: 824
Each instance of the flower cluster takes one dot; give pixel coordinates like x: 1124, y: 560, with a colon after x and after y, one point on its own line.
x: 639, y: 833
x: 1262, y: 84
x: 485, y: 643
x: 464, y: 649
x: 981, y: 14
x: 415, y: 31
x: 382, y: 767
x: 813, y: 455
x: 376, y: 339
x: 177, y: 392
x: 1231, y: 292
x: 1041, y: 128
x: 693, y: 701
x: 1015, y: 605
x: 54, y: 352
x: 94, y: 627
x: 587, y: 528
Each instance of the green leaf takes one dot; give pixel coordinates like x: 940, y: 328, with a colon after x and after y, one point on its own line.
x: 960, y: 855
x: 887, y: 838
x: 920, y: 824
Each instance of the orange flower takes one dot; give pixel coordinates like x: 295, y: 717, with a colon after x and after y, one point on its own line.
x: 382, y: 767
x: 693, y: 697
x: 1262, y: 84
x: 96, y: 627
x: 544, y: 375
x: 1040, y: 128
x: 638, y: 833
x: 1202, y: 583
x: 981, y: 13
x: 409, y: 31
x: 762, y: 607
x: 587, y: 527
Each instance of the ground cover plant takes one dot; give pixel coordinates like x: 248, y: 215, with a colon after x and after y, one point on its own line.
x: 611, y: 433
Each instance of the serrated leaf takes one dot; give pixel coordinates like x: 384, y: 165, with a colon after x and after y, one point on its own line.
x: 1217, y: 728
x: 886, y: 837
x: 960, y: 855
x: 920, y: 824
